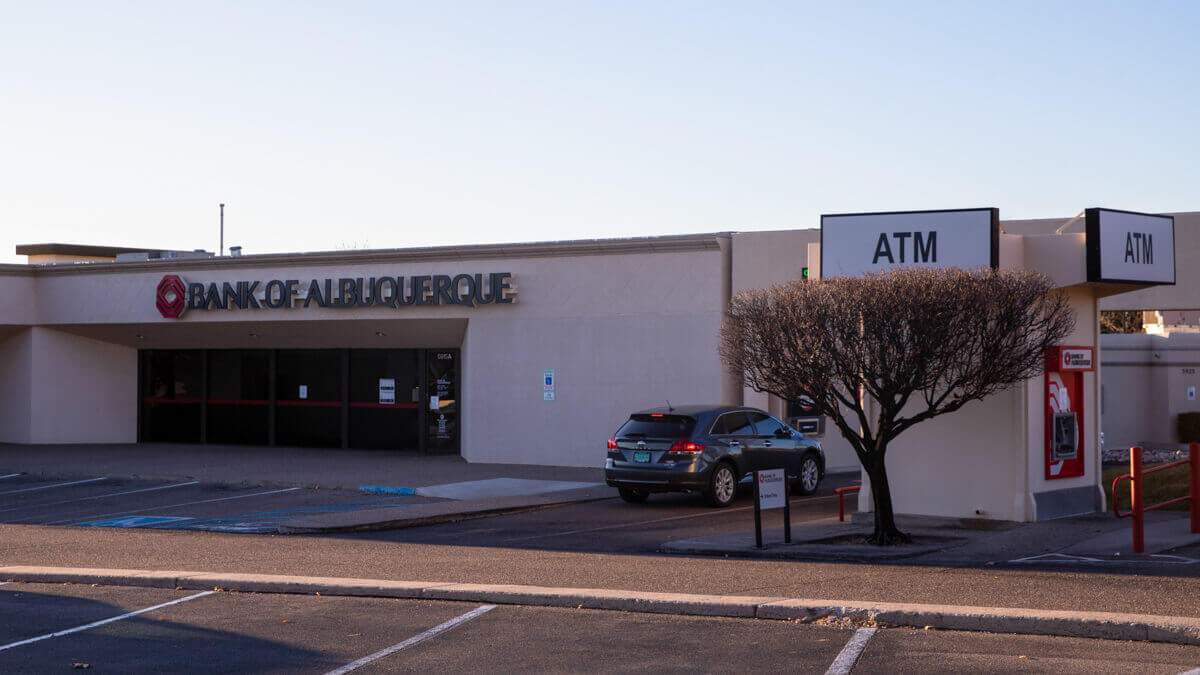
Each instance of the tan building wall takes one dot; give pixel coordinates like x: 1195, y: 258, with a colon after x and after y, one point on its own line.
x: 83, y: 390
x: 1146, y: 380
x: 16, y: 383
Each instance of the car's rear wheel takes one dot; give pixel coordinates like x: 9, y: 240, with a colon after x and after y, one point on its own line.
x: 722, y: 485
x: 810, y: 476
x: 633, y: 496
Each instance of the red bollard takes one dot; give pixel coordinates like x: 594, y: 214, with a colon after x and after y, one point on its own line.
x: 1135, y: 499
x: 1194, y: 492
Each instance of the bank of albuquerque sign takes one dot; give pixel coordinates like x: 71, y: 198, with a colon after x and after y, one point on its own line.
x: 175, y: 296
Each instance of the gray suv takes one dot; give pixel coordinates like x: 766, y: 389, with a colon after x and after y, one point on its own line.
x: 706, y: 449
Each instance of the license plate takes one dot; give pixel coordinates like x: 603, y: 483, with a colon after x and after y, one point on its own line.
x: 641, y: 457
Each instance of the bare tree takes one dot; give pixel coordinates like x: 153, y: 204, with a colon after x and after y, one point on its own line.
x: 917, y: 342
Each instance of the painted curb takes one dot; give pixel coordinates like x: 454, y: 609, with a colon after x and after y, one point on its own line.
x: 1105, y: 625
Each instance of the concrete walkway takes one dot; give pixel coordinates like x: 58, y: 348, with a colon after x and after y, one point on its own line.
x: 1095, y: 537
x: 261, y: 465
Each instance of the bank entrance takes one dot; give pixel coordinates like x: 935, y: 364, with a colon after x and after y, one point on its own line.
x: 404, y: 399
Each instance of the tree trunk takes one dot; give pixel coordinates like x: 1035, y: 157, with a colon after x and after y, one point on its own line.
x: 886, y: 533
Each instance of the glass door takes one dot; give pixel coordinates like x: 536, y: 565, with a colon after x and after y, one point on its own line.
x: 441, y: 401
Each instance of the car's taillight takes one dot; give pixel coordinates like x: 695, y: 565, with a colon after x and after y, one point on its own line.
x: 612, y: 443
x: 686, y: 445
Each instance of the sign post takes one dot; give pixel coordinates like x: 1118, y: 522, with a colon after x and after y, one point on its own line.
x: 771, y: 492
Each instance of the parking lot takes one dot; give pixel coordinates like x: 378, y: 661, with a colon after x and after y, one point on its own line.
x: 612, y: 526
x: 601, y: 525
x: 101, y: 501
x: 120, y: 629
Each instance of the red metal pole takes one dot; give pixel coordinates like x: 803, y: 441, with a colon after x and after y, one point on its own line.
x: 842, y: 507
x: 1135, y: 499
x: 1194, y: 492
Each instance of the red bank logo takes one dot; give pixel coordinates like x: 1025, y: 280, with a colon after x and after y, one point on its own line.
x: 172, y: 297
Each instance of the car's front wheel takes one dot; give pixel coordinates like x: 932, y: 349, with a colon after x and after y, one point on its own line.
x: 633, y: 496
x: 722, y: 485
x: 810, y: 476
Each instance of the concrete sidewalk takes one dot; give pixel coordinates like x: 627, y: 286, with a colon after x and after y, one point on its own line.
x: 1095, y: 537
x: 476, y: 489
x: 1106, y: 625
x: 262, y: 465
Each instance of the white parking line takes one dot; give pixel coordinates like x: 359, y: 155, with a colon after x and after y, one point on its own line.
x: 110, y: 494
x: 714, y: 512
x: 11, y: 475
x: 845, y: 661
x: 168, y: 506
x: 103, y: 621
x: 47, y: 487
x: 440, y: 628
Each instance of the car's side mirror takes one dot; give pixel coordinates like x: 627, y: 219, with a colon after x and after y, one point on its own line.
x: 783, y: 432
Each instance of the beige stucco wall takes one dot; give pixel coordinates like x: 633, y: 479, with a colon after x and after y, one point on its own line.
x: 83, y: 390
x: 16, y: 381
x: 1145, y: 387
x: 18, y: 297
x: 621, y: 333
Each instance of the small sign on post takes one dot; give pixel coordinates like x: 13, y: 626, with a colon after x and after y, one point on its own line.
x: 548, y: 384
x: 771, y: 492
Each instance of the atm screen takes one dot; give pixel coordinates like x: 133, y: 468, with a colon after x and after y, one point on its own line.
x: 1065, y: 444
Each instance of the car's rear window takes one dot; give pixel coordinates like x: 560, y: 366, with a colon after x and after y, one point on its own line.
x: 658, y: 426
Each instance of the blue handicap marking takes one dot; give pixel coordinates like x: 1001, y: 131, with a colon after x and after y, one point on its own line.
x: 386, y: 490
x: 132, y: 521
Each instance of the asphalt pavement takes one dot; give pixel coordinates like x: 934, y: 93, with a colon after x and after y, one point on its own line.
x: 555, y: 528
x: 45, y: 627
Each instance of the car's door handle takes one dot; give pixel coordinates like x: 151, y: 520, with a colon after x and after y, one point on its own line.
x: 734, y: 443
x: 767, y: 443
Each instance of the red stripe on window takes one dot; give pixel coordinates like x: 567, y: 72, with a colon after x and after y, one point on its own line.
x: 237, y: 401
x: 163, y: 399
x: 383, y: 405
x: 310, y: 404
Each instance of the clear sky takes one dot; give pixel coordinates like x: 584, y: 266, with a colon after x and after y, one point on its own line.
x: 334, y: 125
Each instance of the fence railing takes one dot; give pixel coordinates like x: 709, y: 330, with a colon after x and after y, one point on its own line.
x: 1138, y: 508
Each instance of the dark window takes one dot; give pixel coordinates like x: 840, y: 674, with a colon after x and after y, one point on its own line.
x: 766, y: 425
x: 172, y: 388
x: 238, y: 396
x: 309, y: 397
x: 661, y: 426
x: 734, y: 424
x: 384, y: 399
